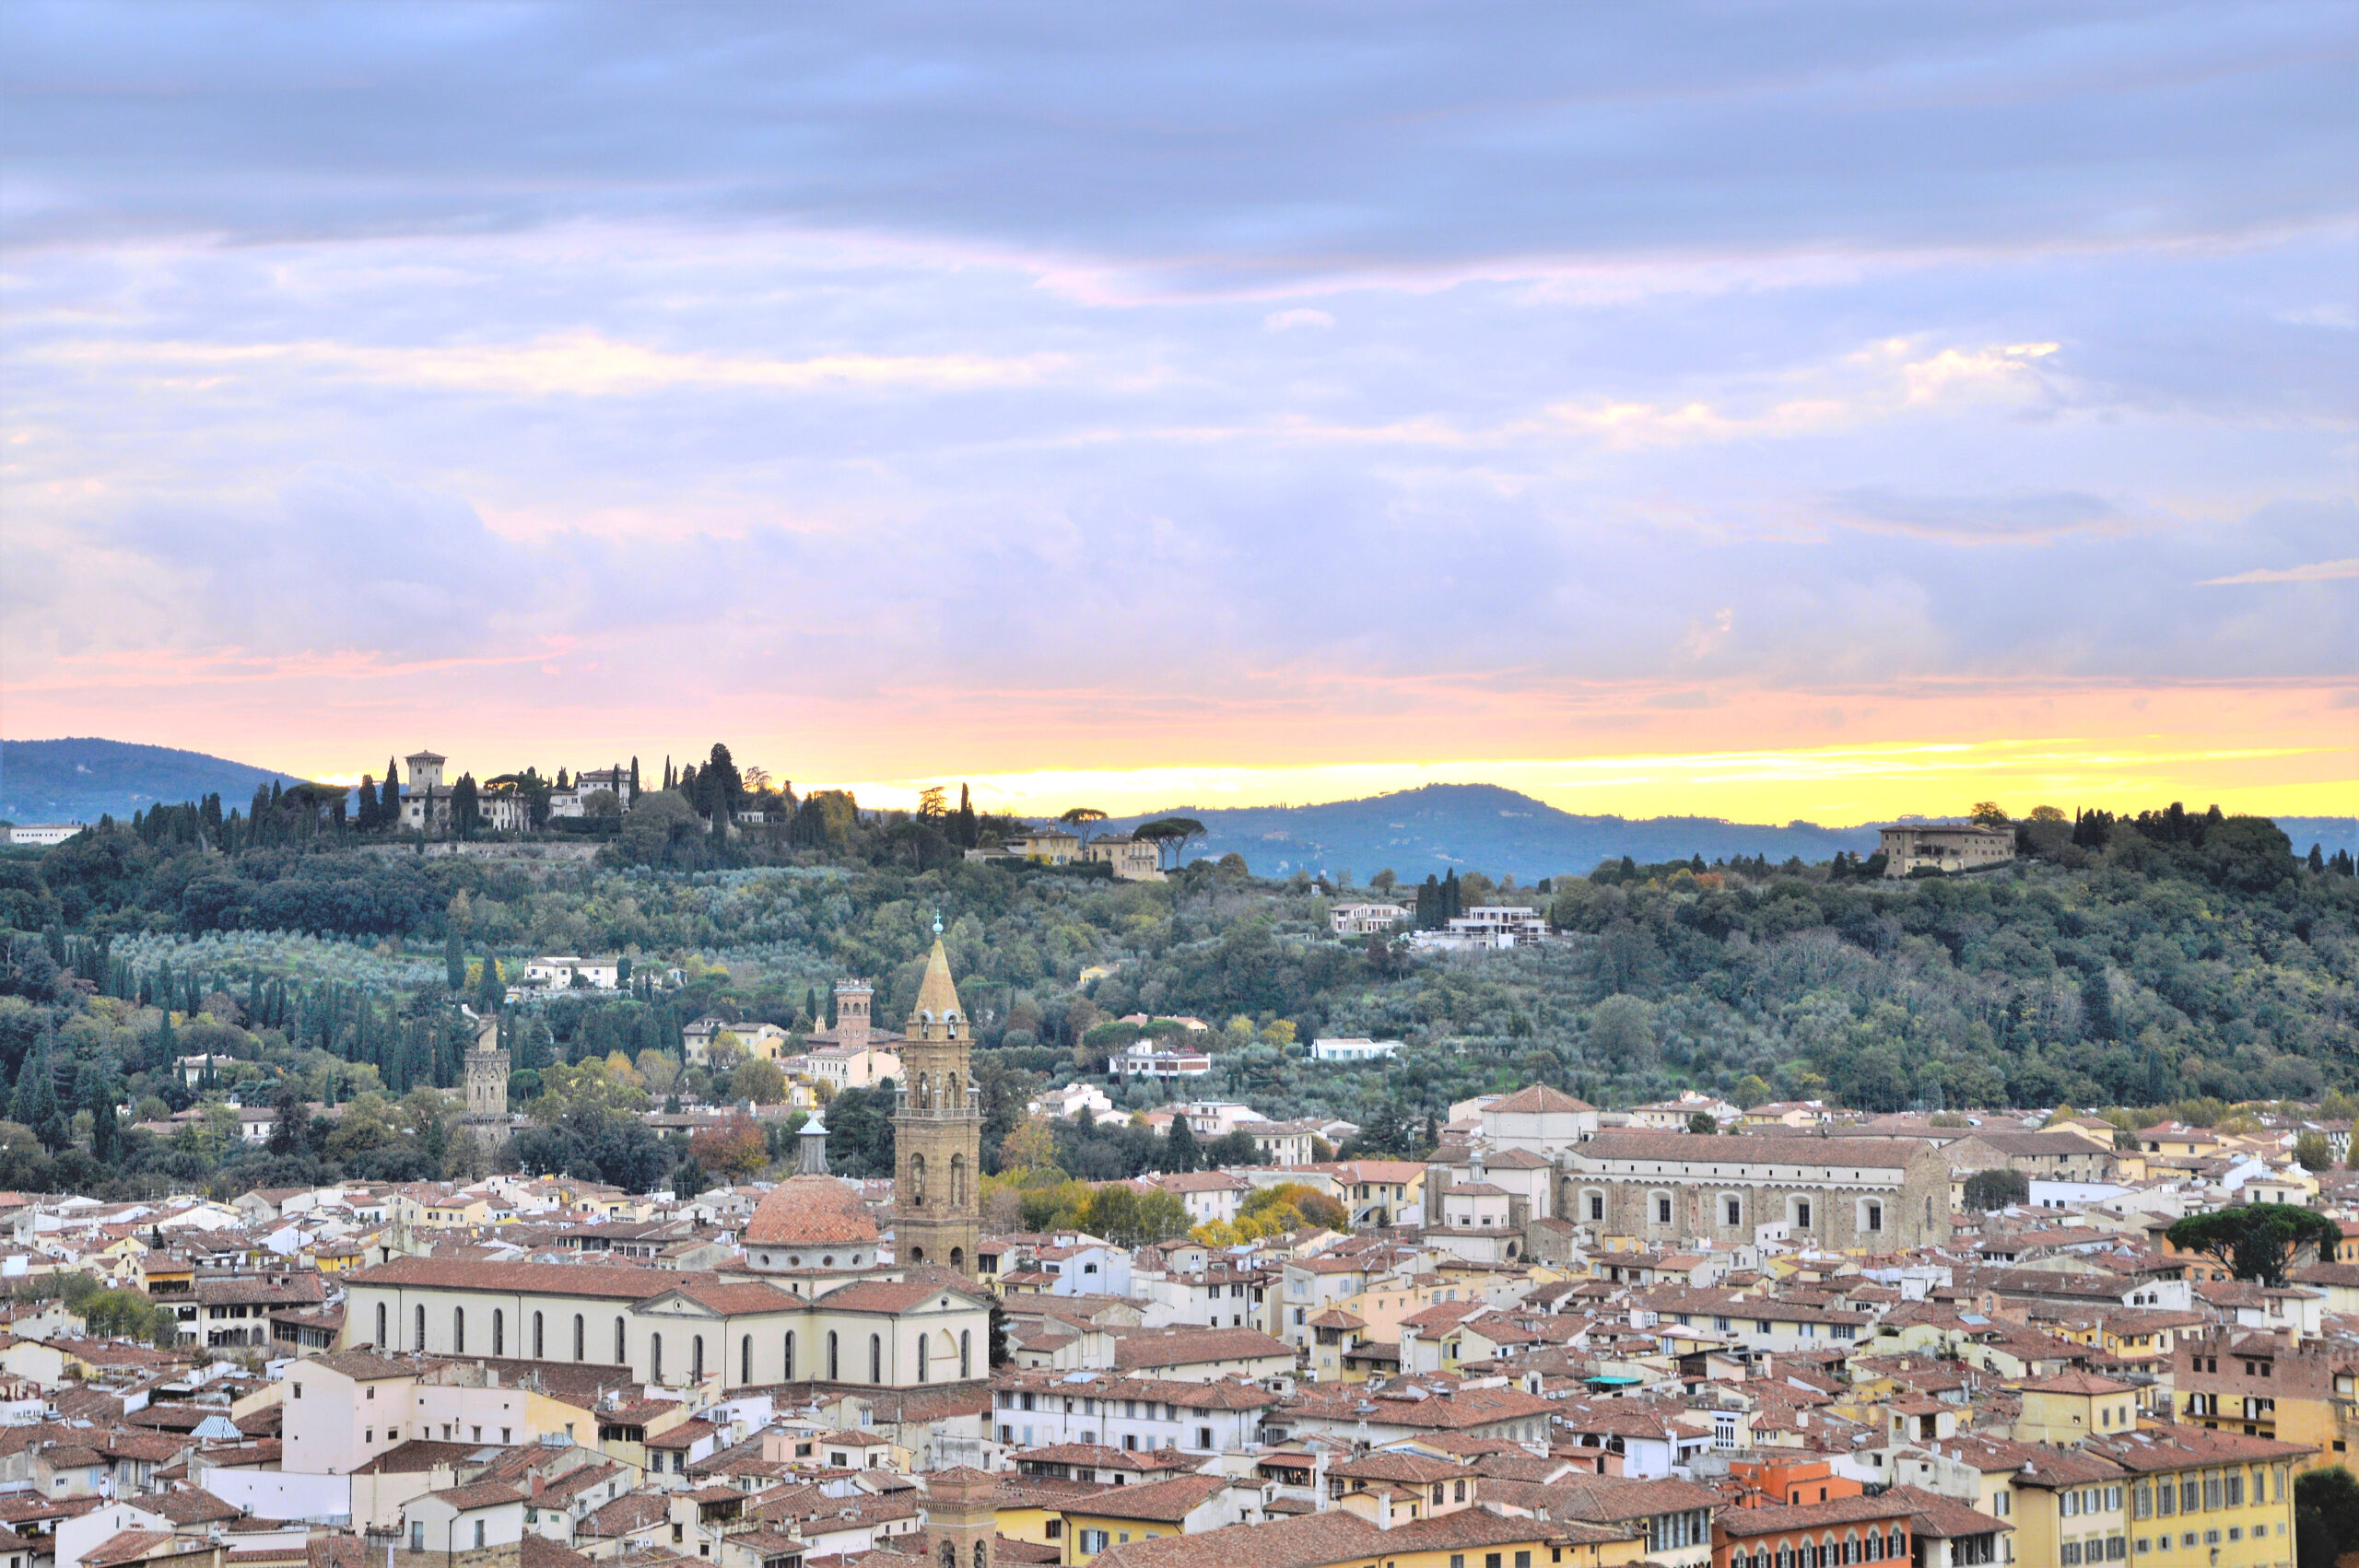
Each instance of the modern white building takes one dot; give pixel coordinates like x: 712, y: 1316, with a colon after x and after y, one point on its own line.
x: 1486, y: 926
x: 1353, y: 1049
x: 44, y: 834
x: 1148, y: 1060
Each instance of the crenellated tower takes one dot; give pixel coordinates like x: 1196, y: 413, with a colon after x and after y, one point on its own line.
x: 487, y: 1065
x: 937, y: 1129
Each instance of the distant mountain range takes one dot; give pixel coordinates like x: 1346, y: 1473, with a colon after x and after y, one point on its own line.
x: 1484, y: 827
x: 1469, y: 826
x: 82, y: 780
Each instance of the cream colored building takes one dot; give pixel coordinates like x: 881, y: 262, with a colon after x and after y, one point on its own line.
x: 1908, y: 846
x: 813, y: 1304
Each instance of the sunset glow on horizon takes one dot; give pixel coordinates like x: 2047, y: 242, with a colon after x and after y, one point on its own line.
x: 1769, y: 416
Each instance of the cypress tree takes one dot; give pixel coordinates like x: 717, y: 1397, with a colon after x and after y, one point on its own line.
x: 1180, y: 1152
x: 104, y: 1129
x: 2096, y: 1005
x: 455, y: 962
x: 634, y: 778
x: 389, y: 803
x: 35, y: 1102
x: 366, y: 808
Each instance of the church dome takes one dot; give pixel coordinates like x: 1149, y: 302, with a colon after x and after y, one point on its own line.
x: 811, y: 1210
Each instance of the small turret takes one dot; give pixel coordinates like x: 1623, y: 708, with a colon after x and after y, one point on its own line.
x: 811, y: 1152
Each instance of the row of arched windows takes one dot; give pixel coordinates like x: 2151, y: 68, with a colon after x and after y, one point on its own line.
x: 695, y: 1349
x: 958, y: 1181
x: 1827, y: 1552
x: 930, y: 1091
x: 499, y: 1334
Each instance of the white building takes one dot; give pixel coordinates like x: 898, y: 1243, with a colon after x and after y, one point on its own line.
x: 573, y: 800
x: 560, y: 972
x: 1366, y: 920
x: 1537, y: 1121
x: 1208, y: 1196
x: 1147, y: 1060
x: 43, y: 834
x: 1037, y: 1409
x: 1068, y: 1103
x: 1353, y: 1049
x: 1487, y: 926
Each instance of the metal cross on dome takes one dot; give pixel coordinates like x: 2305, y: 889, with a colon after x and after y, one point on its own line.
x: 937, y: 922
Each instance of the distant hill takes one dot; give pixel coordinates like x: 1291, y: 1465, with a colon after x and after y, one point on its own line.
x: 79, y: 780
x: 1483, y: 827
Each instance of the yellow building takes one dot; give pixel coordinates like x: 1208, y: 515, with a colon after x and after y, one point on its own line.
x: 2069, y: 1507
x: 2076, y: 1405
x: 1185, y: 1505
x: 2214, y: 1499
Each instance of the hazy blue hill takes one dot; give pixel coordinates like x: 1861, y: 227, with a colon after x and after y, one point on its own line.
x: 1483, y: 827
x: 2328, y: 833
x: 77, y: 780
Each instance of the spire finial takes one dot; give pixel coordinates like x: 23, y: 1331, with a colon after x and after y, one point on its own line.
x: 937, y: 922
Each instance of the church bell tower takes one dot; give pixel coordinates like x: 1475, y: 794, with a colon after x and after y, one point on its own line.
x: 937, y: 1129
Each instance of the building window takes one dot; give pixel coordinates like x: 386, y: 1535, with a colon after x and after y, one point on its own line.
x: 458, y: 1330
x: 538, y: 1348
x: 875, y: 1358
x: 965, y: 1353
x: 381, y: 1325
x: 1735, y: 1212
x: 1663, y: 1217
x: 655, y: 1358
x: 1801, y: 1214
x: 422, y: 1327
x: 834, y: 1371
x: 1876, y: 1216
x: 499, y: 1332
x: 578, y: 1344
x: 925, y: 1360
x: 788, y: 1376
x: 622, y: 1356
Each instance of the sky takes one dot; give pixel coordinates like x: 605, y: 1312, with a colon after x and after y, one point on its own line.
x: 1821, y: 411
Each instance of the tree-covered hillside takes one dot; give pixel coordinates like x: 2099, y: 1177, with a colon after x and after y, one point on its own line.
x: 2139, y: 961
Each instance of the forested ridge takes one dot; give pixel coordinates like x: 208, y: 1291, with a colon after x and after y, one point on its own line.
x: 2132, y: 962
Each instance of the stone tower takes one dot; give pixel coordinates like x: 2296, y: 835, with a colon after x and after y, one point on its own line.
x: 961, y: 1518
x: 937, y: 1130
x: 852, y: 998
x: 486, y: 1114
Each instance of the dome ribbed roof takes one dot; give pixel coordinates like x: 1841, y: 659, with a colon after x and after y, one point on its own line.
x: 811, y: 1211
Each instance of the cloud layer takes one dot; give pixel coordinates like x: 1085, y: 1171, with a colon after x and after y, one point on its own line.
x: 899, y: 394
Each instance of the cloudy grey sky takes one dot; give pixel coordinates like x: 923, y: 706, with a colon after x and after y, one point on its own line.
x: 907, y: 391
